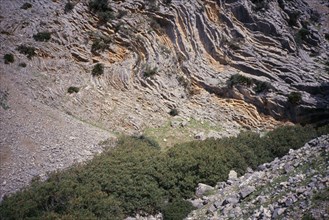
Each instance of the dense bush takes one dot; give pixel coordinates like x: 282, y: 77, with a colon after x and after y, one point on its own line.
x: 68, y: 7
x: 149, y: 71
x: 26, y: 6
x: 27, y: 50
x: 260, y: 4
x: 173, y: 112
x: 261, y: 86
x: 73, y: 89
x: 100, y: 44
x: 98, y: 70
x: 102, y: 10
x: 137, y: 177
x: 42, y: 36
x: 22, y: 65
x: 177, y: 210
x: 9, y: 58
x: 301, y: 35
x: 295, y: 98
x: 238, y: 79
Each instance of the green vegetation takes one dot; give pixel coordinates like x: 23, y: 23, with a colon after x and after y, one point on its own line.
x: 27, y: 50
x: 261, y: 86
x: 26, y: 6
x: 137, y: 177
x: 149, y: 71
x: 293, y: 18
x: 73, y: 89
x: 98, y: 70
x: 9, y: 58
x: 301, y: 35
x: 295, y: 98
x: 238, y: 79
x: 260, y: 4
x: 177, y: 210
x: 100, y: 44
x: 173, y: 112
x: 102, y: 10
x: 68, y: 7
x: 42, y: 36
x: 22, y: 65
x: 258, y: 86
x: 180, y: 131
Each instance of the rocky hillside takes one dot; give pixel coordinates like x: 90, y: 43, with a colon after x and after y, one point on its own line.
x: 293, y: 187
x: 175, y: 70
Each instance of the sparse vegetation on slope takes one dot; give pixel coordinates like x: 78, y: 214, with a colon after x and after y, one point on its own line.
x: 136, y: 177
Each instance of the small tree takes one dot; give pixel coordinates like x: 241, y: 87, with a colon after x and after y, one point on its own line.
x: 42, y: 36
x: 9, y: 58
x: 98, y: 69
x: 295, y: 98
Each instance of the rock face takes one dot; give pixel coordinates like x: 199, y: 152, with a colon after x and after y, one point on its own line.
x: 161, y: 56
x: 274, y: 192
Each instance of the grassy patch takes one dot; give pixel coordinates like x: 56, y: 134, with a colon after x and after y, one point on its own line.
x: 167, y: 135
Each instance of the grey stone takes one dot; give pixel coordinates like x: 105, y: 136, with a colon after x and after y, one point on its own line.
x: 232, y: 175
x: 245, y: 191
x: 202, y: 189
x: 200, y: 136
x: 233, y: 199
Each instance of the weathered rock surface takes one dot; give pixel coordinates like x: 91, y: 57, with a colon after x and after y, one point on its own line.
x: 274, y: 193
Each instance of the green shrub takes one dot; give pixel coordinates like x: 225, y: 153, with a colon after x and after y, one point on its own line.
x: 22, y: 65
x: 73, y: 89
x: 173, y: 112
x: 98, y: 70
x: 149, y: 71
x: 42, y: 36
x: 68, y: 7
x: 238, y: 79
x: 137, y: 176
x: 295, y: 98
x: 26, y: 6
x: 301, y: 35
x: 9, y: 58
x: 293, y: 18
x: 177, y: 210
x: 101, y: 9
x: 27, y: 50
x: 260, y: 4
x: 261, y: 86
x: 100, y: 44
